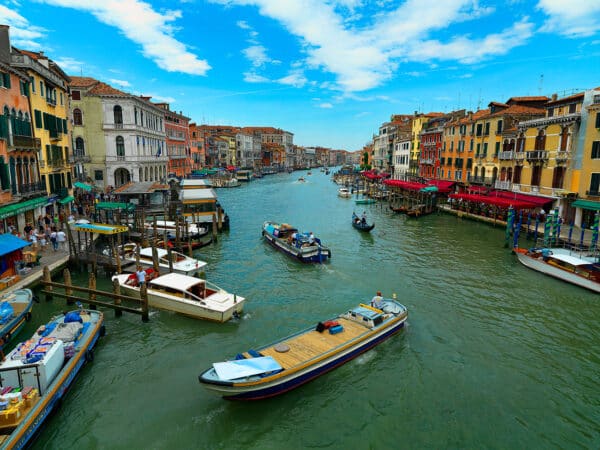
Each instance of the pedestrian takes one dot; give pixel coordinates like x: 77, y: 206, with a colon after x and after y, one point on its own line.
x: 61, y: 238
x: 53, y: 239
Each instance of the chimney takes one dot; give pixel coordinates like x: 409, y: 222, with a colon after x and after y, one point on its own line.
x: 554, y: 97
x: 4, y: 44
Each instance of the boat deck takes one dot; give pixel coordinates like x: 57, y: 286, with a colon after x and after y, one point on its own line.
x: 311, y: 344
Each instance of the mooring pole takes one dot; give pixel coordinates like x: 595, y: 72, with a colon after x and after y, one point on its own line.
x: 117, y: 300
x: 48, y: 279
x: 68, y: 284
x: 144, y: 298
x: 92, y: 287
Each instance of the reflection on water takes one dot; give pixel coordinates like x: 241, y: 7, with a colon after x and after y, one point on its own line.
x: 493, y: 355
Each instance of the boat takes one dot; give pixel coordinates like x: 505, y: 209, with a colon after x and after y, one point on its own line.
x: 290, y: 241
x: 309, y: 173
x: 37, y: 373
x: 365, y: 201
x: 180, y: 263
x: 399, y: 209
x: 301, y: 179
x: 191, y: 296
x: 419, y: 210
x: 169, y: 227
x: 360, y: 224
x: 297, y: 359
x: 572, y: 267
x: 344, y: 192
x: 15, y: 310
x: 244, y: 175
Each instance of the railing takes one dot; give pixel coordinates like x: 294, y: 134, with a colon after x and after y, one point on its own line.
x: 31, y: 188
x: 483, y: 180
x: 51, y: 101
x: 503, y: 156
x: 505, y: 185
x: 119, y: 126
x: 426, y: 161
x: 519, y: 156
x: 55, y: 163
x: 137, y: 158
x: 80, y: 159
x: 26, y: 141
x: 562, y: 156
x: 537, y: 155
x: 55, y: 135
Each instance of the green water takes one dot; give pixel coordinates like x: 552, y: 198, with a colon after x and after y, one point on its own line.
x: 494, y: 354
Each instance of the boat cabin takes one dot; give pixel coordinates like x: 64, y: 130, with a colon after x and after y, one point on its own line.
x: 182, y: 286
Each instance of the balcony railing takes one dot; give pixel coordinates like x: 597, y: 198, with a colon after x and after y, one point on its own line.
x: 31, y: 188
x: 505, y: 185
x: 426, y: 161
x: 73, y: 159
x: 482, y: 180
x: 519, y: 156
x: 55, y: 135
x: 25, y: 142
x: 51, y: 101
x: 562, y: 156
x: 537, y: 155
x: 504, y: 156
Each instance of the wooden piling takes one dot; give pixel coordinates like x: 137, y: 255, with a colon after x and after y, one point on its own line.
x: 48, y: 278
x: 214, y: 227
x: 117, y: 300
x: 92, y: 287
x: 219, y: 218
x: 155, y: 259
x: 144, y: 298
x: 68, y: 285
x: 170, y: 256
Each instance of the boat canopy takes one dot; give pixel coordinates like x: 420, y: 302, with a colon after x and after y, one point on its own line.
x: 240, y: 368
x: 176, y: 281
x: 147, y: 251
x: 572, y: 260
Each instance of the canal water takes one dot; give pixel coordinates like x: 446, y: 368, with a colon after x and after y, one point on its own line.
x: 494, y: 355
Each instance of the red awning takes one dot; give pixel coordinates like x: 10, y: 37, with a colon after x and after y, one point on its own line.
x: 444, y: 186
x: 231, y: 168
x: 408, y: 185
x: 477, y: 189
x: 537, y: 200
x: 496, y: 201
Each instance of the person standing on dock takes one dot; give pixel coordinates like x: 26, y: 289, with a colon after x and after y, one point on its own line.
x: 61, y: 239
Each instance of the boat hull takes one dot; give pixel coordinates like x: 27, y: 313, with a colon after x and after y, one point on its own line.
x: 35, y: 418
x: 364, y: 228
x: 314, y: 254
x: 10, y: 329
x: 195, y: 311
x: 541, y: 266
x: 284, y: 384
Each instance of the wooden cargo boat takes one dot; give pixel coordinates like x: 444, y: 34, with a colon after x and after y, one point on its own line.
x: 572, y: 267
x: 191, y: 296
x: 35, y: 376
x: 15, y: 310
x: 304, y: 356
x: 288, y: 240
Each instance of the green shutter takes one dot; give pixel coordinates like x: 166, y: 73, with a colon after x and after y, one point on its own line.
x: 598, y: 120
x: 64, y: 124
x: 7, y: 80
x: 38, y: 118
x: 4, y: 175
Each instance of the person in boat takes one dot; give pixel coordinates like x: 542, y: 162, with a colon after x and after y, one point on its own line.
x: 141, y: 276
x: 363, y: 220
x: 311, y: 238
x: 355, y: 218
x: 377, y: 301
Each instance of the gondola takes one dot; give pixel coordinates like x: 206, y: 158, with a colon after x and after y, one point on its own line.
x: 360, y: 225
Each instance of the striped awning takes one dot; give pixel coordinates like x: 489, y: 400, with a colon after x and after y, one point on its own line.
x: 587, y: 204
x: 18, y: 208
x: 66, y: 200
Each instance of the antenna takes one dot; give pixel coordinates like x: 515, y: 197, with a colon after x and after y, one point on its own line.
x: 541, y: 86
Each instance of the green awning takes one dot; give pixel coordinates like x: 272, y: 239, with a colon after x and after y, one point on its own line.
x: 66, y: 200
x: 587, y: 204
x: 18, y: 208
x: 81, y: 185
x: 115, y: 205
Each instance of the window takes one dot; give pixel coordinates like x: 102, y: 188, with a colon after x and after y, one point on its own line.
x: 572, y: 108
x: 118, y: 115
x: 487, y: 128
x: 564, y: 138
x: 499, y: 129
x: 536, y: 175
x: 598, y: 120
x: 77, y: 117
x: 497, y: 150
x: 41, y: 88
x: 595, y: 184
x: 98, y: 175
x: 79, y: 147
x: 32, y: 82
x: 5, y: 80
x: 38, y: 118
x: 76, y: 95
x: 485, y: 147
x: 120, y: 146
x: 61, y: 98
x: 596, y: 150
x: 550, y: 112
x: 558, y: 177
x: 479, y: 129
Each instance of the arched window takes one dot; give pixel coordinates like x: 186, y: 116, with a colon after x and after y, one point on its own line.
x: 118, y: 114
x: 79, y: 147
x: 120, y: 146
x: 540, y: 141
x: 77, y: 117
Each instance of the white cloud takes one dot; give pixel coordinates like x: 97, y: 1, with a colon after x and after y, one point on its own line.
x: 121, y: 83
x: 243, y: 25
x: 22, y: 34
x: 69, y: 65
x: 364, y: 58
x: 295, y: 78
x: 257, y: 55
x: 325, y: 105
x: 251, y: 77
x: 140, y: 23
x: 575, y: 18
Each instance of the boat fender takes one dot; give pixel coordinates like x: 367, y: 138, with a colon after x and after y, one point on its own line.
x: 89, y: 355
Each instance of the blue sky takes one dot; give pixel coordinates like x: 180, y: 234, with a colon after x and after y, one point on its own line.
x: 328, y: 71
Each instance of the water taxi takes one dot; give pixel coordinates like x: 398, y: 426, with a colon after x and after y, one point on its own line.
x: 288, y: 240
x: 15, y: 310
x: 179, y: 262
x: 573, y: 267
x: 344, y: 192
x: 191, y: 296
x: 191, y: 230
x: 290, y: 362
x: 244, y: 175
x: 35, y: 376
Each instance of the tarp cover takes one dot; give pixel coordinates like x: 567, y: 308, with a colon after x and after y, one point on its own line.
x: 230, y: 370
x: 10, y: 243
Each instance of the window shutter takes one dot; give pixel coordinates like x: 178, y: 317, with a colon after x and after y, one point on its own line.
x: 595, y: 149
x: 598, y: 120
x: 38, y: 118
x: 6, y: 80
x: 4, y: 175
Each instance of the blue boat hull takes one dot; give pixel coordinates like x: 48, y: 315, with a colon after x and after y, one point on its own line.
x: 319, y: 257
x: 293, y: 383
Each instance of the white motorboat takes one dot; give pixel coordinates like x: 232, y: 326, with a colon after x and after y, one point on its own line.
x: 344, y: 192
x: 574, y: 268
x: 186, y: 295
x: 181, y: 264
x: 193, y: 230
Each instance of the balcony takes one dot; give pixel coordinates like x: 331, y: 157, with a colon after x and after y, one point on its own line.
x: 51, y: 101
x: 504, y: 185
x: 26, y: 143
x: 29, y: 189
x: 562, y: 156
x: 426, y: 161
x: 519, y: 156
x: 506, y: 156
x: 55, y: 135
x: 79, y: 159
x: 537, y: 155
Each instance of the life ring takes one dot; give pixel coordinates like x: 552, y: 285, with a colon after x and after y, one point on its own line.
x: 89, y: 355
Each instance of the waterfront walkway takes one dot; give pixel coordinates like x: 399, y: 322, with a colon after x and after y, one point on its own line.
x: 53, y: 259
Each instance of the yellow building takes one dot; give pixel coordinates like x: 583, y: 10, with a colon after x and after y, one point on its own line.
x: 419, y: 120
x: 49, y: 102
